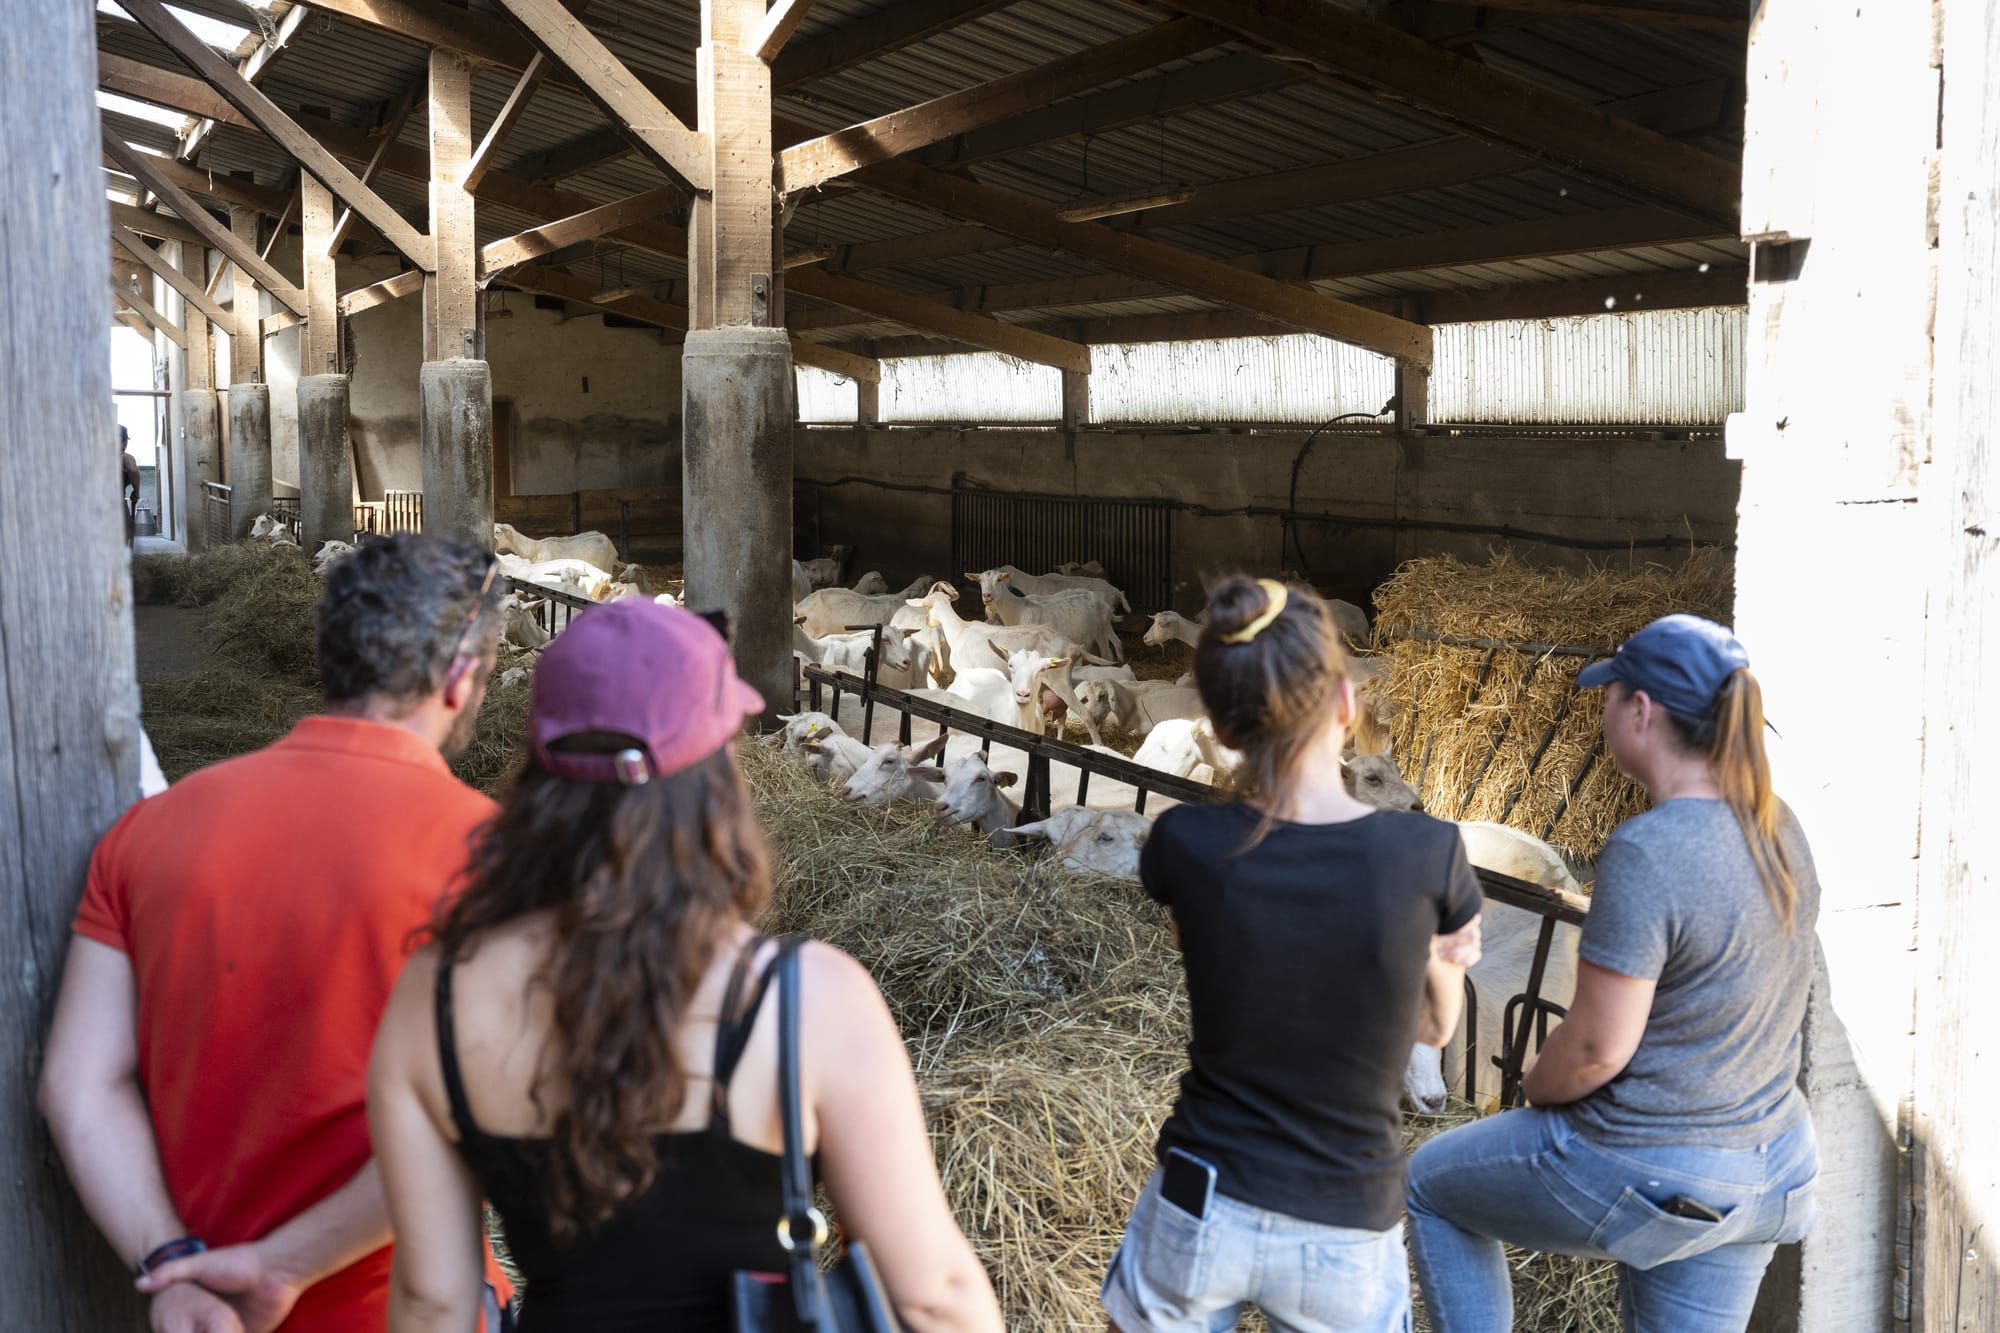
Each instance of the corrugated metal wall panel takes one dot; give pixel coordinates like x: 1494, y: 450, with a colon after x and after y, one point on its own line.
x: 1654, y: 367
x: 980, y: 386
x: 1301, y: 378
x: 825, y: 396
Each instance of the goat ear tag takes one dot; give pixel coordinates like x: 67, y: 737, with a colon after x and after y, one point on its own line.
x: 1005, y: 779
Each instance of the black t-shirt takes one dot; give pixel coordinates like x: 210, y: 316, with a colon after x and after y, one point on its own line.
x: 1305, y: 968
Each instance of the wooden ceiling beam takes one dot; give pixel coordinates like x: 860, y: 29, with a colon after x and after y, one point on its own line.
x: 213, y: 234
x: 190, y: 290
x: 503, y: 124
x: 805, y: 165
x: 145, y: 311
x: 919, y: 248
x: 542, y: 241
x: 223, y: 189
x: 1671, y: 16
x: 779, y: 24
x: 247, y: 98
x: 977, y: 330
x: 888, y: 29
x: 625, y: 99
x: 580, y: 154
x: 1472, y: 99
x: 167, y: 88
x: 1147, y: 259
x: 386, y: 135
x: 381, y: 293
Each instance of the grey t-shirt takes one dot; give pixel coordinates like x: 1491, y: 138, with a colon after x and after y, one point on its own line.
x: 1678, y: 900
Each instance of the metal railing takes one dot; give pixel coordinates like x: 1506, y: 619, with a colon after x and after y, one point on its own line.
x: 554, y: 607
x: 1132, y: 539
x: 285, y: 508
x: 215, y: 514
x: 396, y: 511
x: 1552, y: 906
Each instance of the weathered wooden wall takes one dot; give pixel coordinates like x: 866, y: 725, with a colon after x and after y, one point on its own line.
x: 68, y: 701
x: 1958, y: 1065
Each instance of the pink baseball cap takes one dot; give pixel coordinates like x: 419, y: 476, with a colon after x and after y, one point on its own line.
x: 658, y: 674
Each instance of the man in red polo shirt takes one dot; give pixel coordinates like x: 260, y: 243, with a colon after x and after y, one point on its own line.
x: 237, y: 941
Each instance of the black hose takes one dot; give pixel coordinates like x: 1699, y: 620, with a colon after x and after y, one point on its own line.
x: 1289, y: 525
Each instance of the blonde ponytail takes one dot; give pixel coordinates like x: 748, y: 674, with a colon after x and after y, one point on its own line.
x: 1744, y: 775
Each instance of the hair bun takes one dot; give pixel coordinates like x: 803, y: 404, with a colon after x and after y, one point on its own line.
x: 1234, y: 603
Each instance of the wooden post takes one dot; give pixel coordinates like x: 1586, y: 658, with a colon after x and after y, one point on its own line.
x: 246, y: 340
x: 68, y: 702
x: 738, y: 392
x: 196, y: 412
x: 868, y: 402
x: 326, y: 458
x: 319, y: 343
x: 249, y: 397
x: 1075, y: 408
x: 456, y: 386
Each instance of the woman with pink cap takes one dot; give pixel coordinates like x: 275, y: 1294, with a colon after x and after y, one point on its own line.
x: 585, y: 1043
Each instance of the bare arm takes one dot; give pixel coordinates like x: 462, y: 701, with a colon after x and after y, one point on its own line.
x: 433, y: 1201
x: 96, y: 1111
x: 1444, y: 983
x: 1596, y: 1041
x: 264, y: 1278
x: 876, y: 1156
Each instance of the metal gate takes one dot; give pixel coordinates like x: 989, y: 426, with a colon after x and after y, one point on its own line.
x: 1132, y: 539
x: 215, y: 514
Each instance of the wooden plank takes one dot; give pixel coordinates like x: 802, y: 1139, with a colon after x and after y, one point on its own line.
x: 588, y: 225
x: 209, y: 185
x: 190, y: 290
x: 978, y: 330
x: 380, y: 293
x: 732, y: 259
x: 157, y: 225
x: 143, y: 308
x: 503, y: 124
x: 1485, y: 103
x: 1578, y: 233
x: 69, y: 728
x: 246, y: 341
x: 626, y: 100
x: 572, y: 157
x: 1721, y: 285
x: 167, y: 88
x: 387, y: 135
x: 187, y: 268
x: 253, y: 68
x: 140, y: 166
x: 319, y: 347
x: 779, y: 25
x: 1693, y: 20
x: 247, y: 98
x: 817, y: 161
x: 863, y: 370
x: 451, y: 290
x: 1135, y: 255
x: 132, y: 321
x: 887, y: 29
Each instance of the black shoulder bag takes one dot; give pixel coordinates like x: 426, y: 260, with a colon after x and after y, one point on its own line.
x: 846, y: 1298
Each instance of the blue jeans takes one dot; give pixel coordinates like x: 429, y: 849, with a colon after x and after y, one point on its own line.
x: 1529, y: 1178
x: 1177, y: 1273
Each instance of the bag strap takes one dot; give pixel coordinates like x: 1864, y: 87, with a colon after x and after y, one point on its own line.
x: 802, y: 1229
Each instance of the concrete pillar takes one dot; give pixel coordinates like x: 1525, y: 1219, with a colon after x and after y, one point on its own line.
x: 203, y: 442
x: 326, y: 462
x: 249, y: 455
x: 458, y: 451
x: 736, y: 467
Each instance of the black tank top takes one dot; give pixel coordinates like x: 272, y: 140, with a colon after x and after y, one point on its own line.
x: 665, y: 1261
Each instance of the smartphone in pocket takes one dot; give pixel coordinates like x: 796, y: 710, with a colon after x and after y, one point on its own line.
x: 1187, y: 1182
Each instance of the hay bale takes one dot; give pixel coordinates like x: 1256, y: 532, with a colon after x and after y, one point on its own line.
x: 1500, y: 735
x: 196, y: 580
x: 498, y: 736
x: 1047, y: 1021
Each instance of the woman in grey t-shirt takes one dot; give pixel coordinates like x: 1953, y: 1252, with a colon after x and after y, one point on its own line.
x: 1667, y: 1129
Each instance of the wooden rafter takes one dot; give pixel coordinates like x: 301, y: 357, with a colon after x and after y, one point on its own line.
x: 167, y: 88
x: 779, y: 25
x: 977, y: 330
x: 817, y: 161
x: 625, y: 98
x: 247, y: 98
x: 157, y: 225
x: 222, y: 189
x: 140, y: 166
x: 1472, y: 99
x: 887, y: 29
x: 546, y: 239
x: 380, y: 293
x: 1672, y: 16
x: 582, y: 153
x: 503, y: 124
x: 390, y: 131
x: 254, y: 67
x: 1140, y: 257
x: 144, y: 309
x: 189, y: 289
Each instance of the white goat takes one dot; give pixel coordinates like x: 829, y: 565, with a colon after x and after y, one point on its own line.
x: 871, y: 584
x: 1135, y: 706
x: 1169, y: 626
x: 974, y: 794
x: 1040, y: 680
x: 836, y: 758
x: 592, y: 547
x: 1102, y: 842
x: 824, y: 571
x: 1079, y: 616
x: 990, y: 583
x: 894, y: 772
x: 833, y: 610
x: 330, y: 553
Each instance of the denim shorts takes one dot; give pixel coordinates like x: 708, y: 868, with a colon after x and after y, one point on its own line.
x: 1176, y: 1273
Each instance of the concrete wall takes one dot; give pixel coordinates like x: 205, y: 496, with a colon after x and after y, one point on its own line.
x: 1614, y: 490
x: 622, y: 430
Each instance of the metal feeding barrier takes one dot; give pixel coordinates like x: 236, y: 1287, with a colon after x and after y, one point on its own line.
x: 215, y: 513
x: 396, y: 511
x: 553, y: 608
x: 1042, y: 752
x: 285, y: 508
x: 1132, y: 539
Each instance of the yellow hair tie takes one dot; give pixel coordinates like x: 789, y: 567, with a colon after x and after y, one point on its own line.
x: 1275, y: 591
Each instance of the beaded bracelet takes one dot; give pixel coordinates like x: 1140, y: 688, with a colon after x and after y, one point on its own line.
x: 167, y: 1253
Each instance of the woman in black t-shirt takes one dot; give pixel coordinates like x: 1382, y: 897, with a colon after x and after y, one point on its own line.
x: 1321, y: 939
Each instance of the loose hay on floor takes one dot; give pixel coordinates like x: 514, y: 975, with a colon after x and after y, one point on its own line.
x: 1046, y: 1018
x: 1496, y: 734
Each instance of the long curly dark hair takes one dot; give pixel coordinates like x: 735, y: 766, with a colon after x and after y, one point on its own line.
x: 643, y: 884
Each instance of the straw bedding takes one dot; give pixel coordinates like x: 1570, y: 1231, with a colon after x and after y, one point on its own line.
x: 1498, y: 735
x: 1045, y: 1013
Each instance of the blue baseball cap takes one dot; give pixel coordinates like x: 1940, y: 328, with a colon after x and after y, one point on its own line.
x: 1681, y: 662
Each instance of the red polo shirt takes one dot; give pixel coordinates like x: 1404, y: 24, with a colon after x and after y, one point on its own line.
x: 267, y: 904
